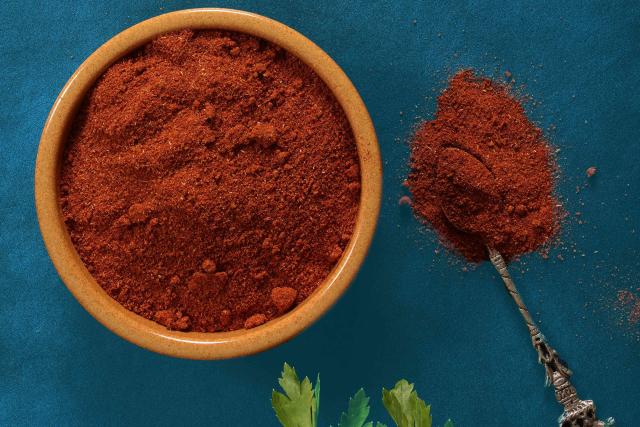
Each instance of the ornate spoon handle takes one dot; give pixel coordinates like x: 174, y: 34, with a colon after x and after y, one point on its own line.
x: 577, y: 412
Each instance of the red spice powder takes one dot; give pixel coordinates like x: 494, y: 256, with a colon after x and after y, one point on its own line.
x: 631, y: 303
x: 210, y: 181
x: 482, y: 173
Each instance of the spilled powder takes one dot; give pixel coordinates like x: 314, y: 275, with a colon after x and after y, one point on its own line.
x: 630, y: 303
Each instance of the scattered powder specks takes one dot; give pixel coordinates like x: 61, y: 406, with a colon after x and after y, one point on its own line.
x: 630, y: 303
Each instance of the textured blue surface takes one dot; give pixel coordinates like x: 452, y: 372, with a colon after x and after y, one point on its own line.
x: 411, y: 313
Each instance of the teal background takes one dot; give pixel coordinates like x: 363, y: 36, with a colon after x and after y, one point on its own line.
x: 412, y: 312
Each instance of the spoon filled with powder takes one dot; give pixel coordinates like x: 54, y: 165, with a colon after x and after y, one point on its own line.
x: 482, y: 178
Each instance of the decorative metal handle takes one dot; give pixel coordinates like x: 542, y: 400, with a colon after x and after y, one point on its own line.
x: 577, y: 412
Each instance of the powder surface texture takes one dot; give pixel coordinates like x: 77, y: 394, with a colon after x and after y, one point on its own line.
x: 482, y: 173
x: 210, y: 181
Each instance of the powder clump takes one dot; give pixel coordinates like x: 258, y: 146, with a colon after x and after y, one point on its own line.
x: 482, y: 173
x: 283, y: 298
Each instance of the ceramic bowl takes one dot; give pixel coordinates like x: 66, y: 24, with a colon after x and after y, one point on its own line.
x: 146, y: 333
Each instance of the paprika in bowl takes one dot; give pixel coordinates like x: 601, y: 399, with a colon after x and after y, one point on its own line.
x: 162, y: 331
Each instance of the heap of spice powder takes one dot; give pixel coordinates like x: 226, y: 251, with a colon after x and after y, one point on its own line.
x: 482, y: 173
x: 210, y: 181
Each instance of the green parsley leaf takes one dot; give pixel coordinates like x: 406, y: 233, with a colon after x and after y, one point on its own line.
x: 299, y: 407
x: 357, y: 413
x: 449, y: 423
x: 405, y: 407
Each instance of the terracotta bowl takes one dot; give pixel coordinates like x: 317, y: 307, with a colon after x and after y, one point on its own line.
x: 148, y: 334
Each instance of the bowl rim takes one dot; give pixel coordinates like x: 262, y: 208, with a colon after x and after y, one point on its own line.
x: 137, y: 329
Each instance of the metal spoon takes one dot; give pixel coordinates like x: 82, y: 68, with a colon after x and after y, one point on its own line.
x: 577, y: 412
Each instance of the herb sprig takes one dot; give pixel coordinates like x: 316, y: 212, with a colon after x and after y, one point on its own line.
x: 299, y: 405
